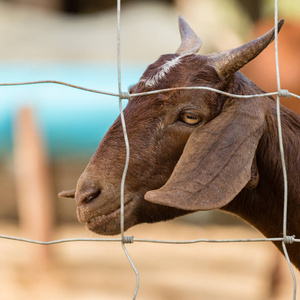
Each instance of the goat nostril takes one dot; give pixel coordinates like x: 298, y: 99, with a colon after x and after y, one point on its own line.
x: 91, y: 196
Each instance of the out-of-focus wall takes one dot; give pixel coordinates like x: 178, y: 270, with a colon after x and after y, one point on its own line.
x: 44, y: 4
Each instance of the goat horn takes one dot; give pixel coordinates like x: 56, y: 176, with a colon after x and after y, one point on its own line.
x: 228, y: 62
x: 190, y: 42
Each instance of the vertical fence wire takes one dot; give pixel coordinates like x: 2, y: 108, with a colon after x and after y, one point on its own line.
x: 284, y: 172
x: 279, y: 122
x: 124, y: 239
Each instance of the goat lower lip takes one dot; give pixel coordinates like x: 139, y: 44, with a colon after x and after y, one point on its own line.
x: 96, y: 221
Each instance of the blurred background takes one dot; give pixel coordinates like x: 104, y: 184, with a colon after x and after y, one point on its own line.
x: 48, y: 134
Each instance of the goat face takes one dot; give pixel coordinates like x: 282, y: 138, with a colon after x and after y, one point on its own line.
x: 173, y: 138
x: 165, y: 122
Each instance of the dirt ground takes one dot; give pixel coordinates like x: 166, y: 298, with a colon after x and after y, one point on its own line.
x: 98, y: 270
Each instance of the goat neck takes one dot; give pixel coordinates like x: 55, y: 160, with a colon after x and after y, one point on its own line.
x: 263, y: 206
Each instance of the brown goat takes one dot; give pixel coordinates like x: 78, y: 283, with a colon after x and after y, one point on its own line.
x: 196, y: 150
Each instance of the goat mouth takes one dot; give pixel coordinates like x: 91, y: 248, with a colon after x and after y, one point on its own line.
x: 108, y: 223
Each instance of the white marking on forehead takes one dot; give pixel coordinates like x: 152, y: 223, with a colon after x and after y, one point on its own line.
x: 163, y: 71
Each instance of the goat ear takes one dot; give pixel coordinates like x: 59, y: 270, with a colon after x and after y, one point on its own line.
x: 217, y: 160
x: 67, y: 194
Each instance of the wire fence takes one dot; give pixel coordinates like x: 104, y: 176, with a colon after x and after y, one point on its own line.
x: 286, y: 239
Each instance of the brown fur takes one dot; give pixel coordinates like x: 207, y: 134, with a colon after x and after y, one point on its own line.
x: 230, y: 160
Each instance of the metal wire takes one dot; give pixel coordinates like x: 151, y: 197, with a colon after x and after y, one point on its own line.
x: 125, y: 95
x: 60, y: 83
x: 279, y: 122
x: 284, y: 172
x: 135, y: 240
x: 124, y: 239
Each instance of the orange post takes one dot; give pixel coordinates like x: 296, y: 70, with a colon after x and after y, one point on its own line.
x: 33, y: 185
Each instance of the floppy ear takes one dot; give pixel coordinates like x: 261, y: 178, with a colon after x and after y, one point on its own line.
x: 67, y: 194
x: 217, y: 159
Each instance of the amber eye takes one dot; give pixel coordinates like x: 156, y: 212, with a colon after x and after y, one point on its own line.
x: 190, y: 118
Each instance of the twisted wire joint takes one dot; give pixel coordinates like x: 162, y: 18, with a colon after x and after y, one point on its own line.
x: 289, y: 239
x: 125, y: 95
x: 127, y: 239
x: 284, y: 93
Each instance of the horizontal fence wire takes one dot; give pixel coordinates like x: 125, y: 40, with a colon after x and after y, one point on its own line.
x: 125, y: 95
x: 129, y: 96
x: 131, y: 239
x: 60, y: 83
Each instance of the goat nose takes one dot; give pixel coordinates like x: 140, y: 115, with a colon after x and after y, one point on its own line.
x: 87, y: 197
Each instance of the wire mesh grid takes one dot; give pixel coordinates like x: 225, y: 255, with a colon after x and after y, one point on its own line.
x: 286, y: 239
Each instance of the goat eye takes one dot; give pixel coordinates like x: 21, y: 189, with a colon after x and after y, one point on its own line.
x: 190, y: 118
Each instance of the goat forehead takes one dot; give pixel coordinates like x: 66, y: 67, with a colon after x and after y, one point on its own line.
x: 162, y: 71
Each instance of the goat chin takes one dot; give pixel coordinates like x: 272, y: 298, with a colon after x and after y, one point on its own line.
x: 110, y: 223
